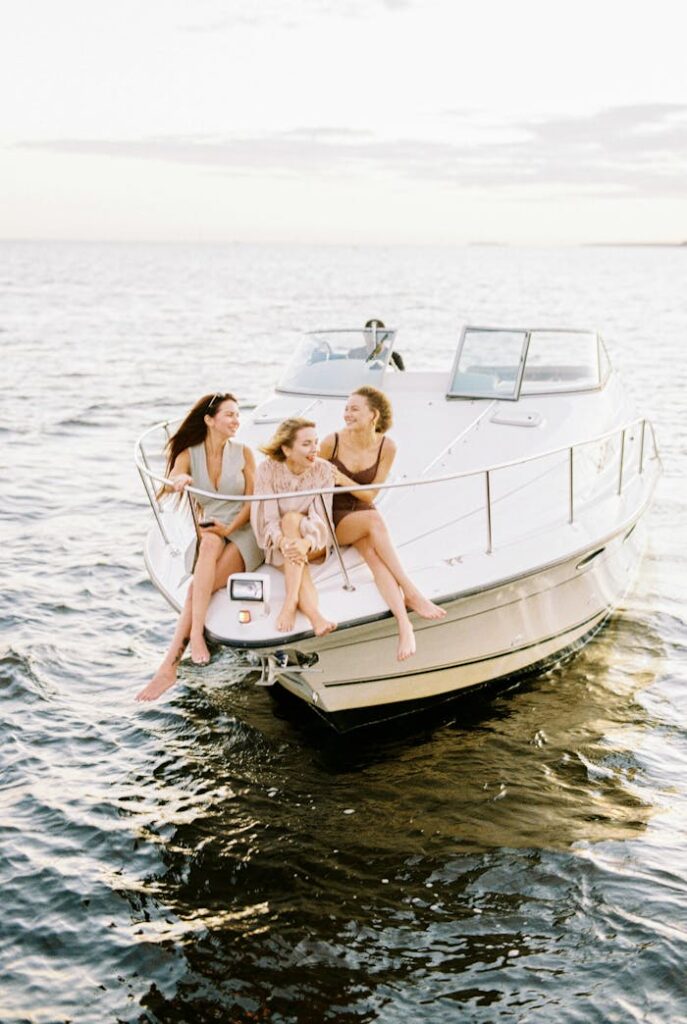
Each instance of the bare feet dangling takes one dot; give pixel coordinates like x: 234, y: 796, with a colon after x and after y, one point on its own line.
x: 200, y: 655
x: 286, y: 619
x: 425, y: 608
x: 165, y: 677
x: 406, y: 642
x: 322, y: 626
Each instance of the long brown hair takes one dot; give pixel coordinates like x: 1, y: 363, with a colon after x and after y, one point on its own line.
x: 285, y: 434
x: 194, y: 429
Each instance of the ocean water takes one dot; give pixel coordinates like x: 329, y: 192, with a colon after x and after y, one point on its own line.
x: 218, y: 856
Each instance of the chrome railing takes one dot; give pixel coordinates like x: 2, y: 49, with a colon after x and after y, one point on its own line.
x: 148, y: 477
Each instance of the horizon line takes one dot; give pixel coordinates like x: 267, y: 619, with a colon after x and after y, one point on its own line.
x: 348, y: 244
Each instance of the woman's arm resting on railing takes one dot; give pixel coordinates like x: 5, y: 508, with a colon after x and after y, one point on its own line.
x: 180, y: 475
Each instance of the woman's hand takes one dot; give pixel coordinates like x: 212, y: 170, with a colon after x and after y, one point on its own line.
x: 180, y: 481
x: 211, y: 526
x: 340, y: 479
x: 295, y: 550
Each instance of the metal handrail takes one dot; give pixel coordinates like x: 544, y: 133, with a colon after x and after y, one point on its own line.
x: 417, y: 482
x: 147, y: 474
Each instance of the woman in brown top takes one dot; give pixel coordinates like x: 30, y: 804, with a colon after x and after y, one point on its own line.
x: 362, y: 454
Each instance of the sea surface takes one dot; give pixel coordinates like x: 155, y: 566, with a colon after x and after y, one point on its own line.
x: 218, y: 856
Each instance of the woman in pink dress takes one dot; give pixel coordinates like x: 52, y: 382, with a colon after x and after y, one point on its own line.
x: 293, y: 530
x: 363, y: 454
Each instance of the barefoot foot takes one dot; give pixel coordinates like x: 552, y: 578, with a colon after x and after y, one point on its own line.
x: 406, y: 643
x: 322, y: 626
x: 286, y: 619
x: 425, y: 608
x: 200, y: 655
x: 162, y: 680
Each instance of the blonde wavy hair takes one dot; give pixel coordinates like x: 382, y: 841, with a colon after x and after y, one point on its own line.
x: 284, y: 435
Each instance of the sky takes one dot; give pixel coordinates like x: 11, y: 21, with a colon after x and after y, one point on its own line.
x: 343, y: 121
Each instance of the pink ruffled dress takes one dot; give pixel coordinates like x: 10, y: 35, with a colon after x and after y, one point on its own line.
x: 274, y: 477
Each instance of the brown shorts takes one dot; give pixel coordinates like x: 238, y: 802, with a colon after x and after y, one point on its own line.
x: 355, y: 506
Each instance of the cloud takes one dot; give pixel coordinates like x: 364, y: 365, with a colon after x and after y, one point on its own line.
x: 625, y: 151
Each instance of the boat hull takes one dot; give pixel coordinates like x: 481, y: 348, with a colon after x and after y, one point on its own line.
x: 487, y: 638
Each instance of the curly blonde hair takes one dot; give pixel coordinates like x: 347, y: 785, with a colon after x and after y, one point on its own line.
x: 285, y: 434
x: 380, y: 404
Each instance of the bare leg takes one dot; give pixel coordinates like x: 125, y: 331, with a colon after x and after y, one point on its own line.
x: 392, y: 594
x: 230, y: 561
x: 211, y: 548
x: 371, y: 526
x: 167, y: 672
x: 308, y: 602
x: 293, y: 575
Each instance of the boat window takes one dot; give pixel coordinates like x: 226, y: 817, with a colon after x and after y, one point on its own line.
x: 505, y: 364
x: 561, y: 361
x: 338, y: 361
x: 489, y: 364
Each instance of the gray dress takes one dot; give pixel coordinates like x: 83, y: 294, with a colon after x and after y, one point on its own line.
x: 232, y: 481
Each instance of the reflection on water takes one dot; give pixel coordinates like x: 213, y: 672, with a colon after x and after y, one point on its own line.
x: 297, y: 867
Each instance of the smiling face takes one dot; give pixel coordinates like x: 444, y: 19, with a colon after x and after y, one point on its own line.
x: 303, y: 452
x: 226, y: 419
x: 358, y: 414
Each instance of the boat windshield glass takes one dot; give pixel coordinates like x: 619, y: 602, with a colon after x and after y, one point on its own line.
x: 505, y: 364
x: 489, y: 364
x: 336, y: 362
x: 561, y: 361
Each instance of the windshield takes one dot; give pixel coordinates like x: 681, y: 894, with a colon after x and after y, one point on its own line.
x: 561, y: 361
x: 336, y: 362
x: 505, y: 364
x: 489, y: 364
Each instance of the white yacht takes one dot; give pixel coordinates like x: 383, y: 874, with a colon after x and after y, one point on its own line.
x: 517, y: 502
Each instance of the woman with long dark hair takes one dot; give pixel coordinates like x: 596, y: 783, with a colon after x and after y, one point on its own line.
x: 362, y: 454
x: 202, y: 453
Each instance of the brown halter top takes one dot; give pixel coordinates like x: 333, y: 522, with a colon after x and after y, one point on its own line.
x: 344, y: 504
